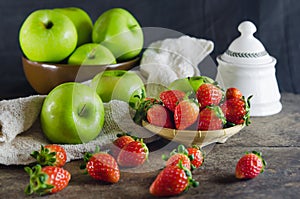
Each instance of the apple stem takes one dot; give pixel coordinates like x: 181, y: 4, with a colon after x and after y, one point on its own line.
x: 133, y: 26
x: 82, y: 110
x: 91, y: 55
x: 49, y: 25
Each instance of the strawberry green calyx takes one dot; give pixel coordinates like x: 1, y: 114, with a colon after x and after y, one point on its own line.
x: 181, y: 154
x: 44, y: 156
x: 50, y: 155
x: 123, y: 134
x: 219, y: 113
x: 191, y: 95
x: 87, y: 156
x: 139, y: 97
x: 144, y: 146
x: 180, y: 149
x: 143, y: 107
x: 191, y: 182
x: 247, y: 108
x: 38, y: 181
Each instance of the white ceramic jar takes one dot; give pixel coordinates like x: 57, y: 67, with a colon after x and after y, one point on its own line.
x: 247, y: 66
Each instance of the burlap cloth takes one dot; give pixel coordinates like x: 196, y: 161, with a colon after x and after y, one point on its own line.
x: 21, y: 132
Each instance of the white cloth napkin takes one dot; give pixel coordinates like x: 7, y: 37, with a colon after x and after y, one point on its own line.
x: 173, y: 58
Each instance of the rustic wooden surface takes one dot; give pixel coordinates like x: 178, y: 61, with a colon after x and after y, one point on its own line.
x: 277, y: 137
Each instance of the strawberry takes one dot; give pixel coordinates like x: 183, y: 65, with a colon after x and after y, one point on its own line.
x: 211, y: 118
x: 172, y: 180
x: 174, y: 160
x: 171, y: 98
x: 121, y: 141
x: 237, y: 111
x: 49, y: 179
x: 133, y: 154
x: 196, y: 156
x: 176, y: 156
x: 233, y: 93
x: 250, y: 165
x: 209, y: 94
x: 159, y: 115
x: 50, y: 155
x: 141, y: 112
x: 186, y: 114
x: 101, y: 166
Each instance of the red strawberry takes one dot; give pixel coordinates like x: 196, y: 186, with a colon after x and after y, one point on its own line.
x: 133, y: 154
x: 196, y: 156
x: 159, y: 115
x: 50, y: 155
x: 209, y: 94
x: 181, y: 155
x: 250, y: 166
x: 104, y: 167
x: 174, y: 160
x: 121, y: 141
x: 49, y: 179
x: 211, y: 118
x: 233, y: 93
x: 141, y: 112
x: 237, y: 111
x: 172, y: 180
x: 186, y: 114
x: 171, y: 98
x: 101, y: 166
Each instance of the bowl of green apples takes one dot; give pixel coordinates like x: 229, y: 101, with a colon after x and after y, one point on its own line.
x: 64, y: 45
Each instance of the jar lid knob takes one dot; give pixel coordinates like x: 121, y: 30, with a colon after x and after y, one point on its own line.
x: 247, y: 28
x: 246, y: 49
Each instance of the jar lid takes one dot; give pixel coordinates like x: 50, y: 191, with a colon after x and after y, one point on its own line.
x: 246, y: 49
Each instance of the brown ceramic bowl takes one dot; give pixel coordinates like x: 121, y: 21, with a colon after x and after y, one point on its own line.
x: 43, y: 77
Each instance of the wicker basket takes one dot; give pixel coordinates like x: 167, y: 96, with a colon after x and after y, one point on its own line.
x: 189, y: 137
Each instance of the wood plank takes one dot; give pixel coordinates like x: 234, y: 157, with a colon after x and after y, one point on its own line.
x: 216, y: 178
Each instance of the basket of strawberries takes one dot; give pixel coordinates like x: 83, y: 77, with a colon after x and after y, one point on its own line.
x: 199, y: 116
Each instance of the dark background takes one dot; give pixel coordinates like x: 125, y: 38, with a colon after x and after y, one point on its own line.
x: 277, y: 22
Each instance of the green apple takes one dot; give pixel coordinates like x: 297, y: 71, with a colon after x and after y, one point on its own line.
x: 120, y: 85
x: 47, y: 36
x: 120, y: 32
x: 197, y: 81
x: 189, y: 84
x: 82, y: 22
x: 72, y: 113
x: 182, y: 84
x: 91, y: 54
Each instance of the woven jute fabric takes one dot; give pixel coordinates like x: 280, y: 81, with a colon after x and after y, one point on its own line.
x: 21, y: 132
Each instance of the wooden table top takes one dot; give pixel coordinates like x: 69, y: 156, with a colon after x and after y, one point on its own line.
x: 276, y: 136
